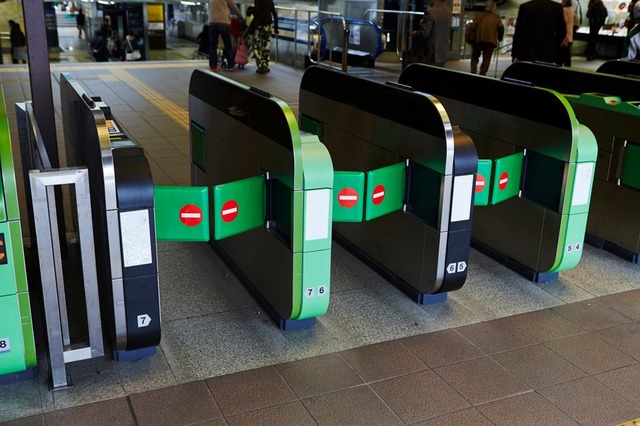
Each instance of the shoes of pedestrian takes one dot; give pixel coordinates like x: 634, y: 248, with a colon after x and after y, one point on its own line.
x: 262, y: 70
x: 228, y: 69
x: 215, y: 69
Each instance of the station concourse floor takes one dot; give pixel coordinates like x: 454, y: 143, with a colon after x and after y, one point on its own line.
x: 501, y: 350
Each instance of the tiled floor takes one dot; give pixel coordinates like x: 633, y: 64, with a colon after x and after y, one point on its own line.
x: 499, y: 351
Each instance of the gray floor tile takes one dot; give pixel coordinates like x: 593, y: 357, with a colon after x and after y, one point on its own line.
x: 623, y: 381
x: 112, y: 412
x: 349, y: 273
x: 374, y: 315
x: 353, y: 406
x: 498, y: 292
x: 19, y: 400
x: 589, y: 353
x: 470, y: 416
x: 183, y: 404
x: 481, y: 380
x: 496, y: 336
x: 383, y: 361
x: 310, y: 376
x: 250, y: 390
x: 590, y: 403
x: 529, y: 409
x: 146, y: 374
x: 211, y: 286
x: 566, y: 290
x: 603, y: 273
x: 546, y: 325
x: 442, y: 348
x: 449, y: 313
x: 292, y: 413
x: 420, y: 396
x: 314, y: 340
x: 89, y: 388
x: 538, y: 366
x: 218, y: 344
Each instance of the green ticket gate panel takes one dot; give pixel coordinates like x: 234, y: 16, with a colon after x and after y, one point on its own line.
x: 182, y: 213
x: 385, y: 191
x: 503, y: 119
x: 239, y: 206
x: 419, y: 168
x: 348, y: 196
x: 506, y: 178
x: 608, y: 106
x: 277, y: 236
x: 17, y: 345
x: 483, y: 183
x: 630, y: 173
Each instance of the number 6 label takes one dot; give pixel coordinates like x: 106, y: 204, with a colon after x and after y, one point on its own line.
x: 316, y: 291
x: 4, y: 345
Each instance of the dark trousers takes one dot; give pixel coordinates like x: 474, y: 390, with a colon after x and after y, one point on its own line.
x: 590, y: 51
x: 484, y: 49
x: 224, y: 31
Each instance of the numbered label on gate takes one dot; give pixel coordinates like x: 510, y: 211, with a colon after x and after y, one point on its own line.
x: 574, y: 247
x: 319, y: 291
x: 456, y: 267
x: 4, y: 345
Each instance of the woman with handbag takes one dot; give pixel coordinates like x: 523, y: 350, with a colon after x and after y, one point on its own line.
x: 131, y: 53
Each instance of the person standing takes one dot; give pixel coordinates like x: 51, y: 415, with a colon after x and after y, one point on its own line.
x: 540, y: 29
x: 565, y: 46
x: 489, y: 33
x: 98, y: 47
x: 441, y: 14
x: 80, y: 23
x: 264, y: 15
x: 18, y: 43
x: 597, y: 14
x: 220, y: 26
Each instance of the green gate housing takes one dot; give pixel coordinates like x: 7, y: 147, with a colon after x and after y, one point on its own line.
x: 404, y: 188
x: 270, y: 189
x: 542, y: 161
x: 17, y: 346
x: 610, y: 106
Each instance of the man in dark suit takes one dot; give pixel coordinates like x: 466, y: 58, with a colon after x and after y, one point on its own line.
x: 540, y: 29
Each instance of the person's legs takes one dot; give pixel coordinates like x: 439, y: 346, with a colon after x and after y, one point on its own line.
x: 214, y: 32
x: 475, y: 56
x: 225, y: 33
x: 487, y: 53
x: 263, y: 44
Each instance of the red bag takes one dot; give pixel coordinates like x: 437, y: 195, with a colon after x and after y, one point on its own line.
x: 242, y: 56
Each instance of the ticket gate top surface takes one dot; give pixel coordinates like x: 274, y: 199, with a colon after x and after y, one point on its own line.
x: 558, y: 159
x: 399, y: 138
x: 621, y: 68
x: 245, y: 144
x: 123, y: 219
x: 573, y: 82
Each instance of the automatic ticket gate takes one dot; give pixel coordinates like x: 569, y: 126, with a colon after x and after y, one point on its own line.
x: 404, y: 187
x: 610, y: 106
x: 123, y: 220
x: 271, y: 187
x: 621, y: 68
x: 17, y: 346
x: 536, y: 173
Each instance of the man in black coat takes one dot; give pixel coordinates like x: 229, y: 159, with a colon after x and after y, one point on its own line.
x: 540, y: 29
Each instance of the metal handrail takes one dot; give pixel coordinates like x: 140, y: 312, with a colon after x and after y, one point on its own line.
x: 402, y: 34
x: 345, y: 34
x: 497, y: 55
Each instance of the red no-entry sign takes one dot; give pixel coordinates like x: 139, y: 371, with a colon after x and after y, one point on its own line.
x: 190, y: 215
x: 348, y: 197
x: 481, y: 183
x: 504, y: 179
x: 378, y: 194
x: 229, y: 211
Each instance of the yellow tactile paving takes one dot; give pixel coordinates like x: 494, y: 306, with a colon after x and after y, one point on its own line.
x: 164, y: 105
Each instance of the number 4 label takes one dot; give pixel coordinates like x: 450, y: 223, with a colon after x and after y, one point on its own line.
x: 4, y: 345
x: 316, y: 291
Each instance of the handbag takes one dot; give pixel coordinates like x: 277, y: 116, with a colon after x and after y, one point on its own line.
x: 242, y: 55
x: 134, y: 55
